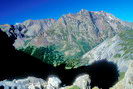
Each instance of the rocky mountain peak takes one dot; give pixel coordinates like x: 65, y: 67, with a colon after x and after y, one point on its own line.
x: 44, y: 21
x: 83, y: 11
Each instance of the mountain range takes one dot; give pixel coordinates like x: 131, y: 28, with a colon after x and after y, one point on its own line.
x: 81, y: 37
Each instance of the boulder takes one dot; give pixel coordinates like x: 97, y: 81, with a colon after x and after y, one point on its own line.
x: 127, y: 81
x: 83, y: 81
x: 53, y: 82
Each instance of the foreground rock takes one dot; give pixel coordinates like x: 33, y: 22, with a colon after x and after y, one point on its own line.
x: 127, y: 82
x: 129, y: 77
x: 31, y: 83
x: 83, y: 81
x: 53, y: 82
x: 27, y: 83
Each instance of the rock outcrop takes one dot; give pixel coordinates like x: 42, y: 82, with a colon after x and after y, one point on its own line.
x: 127, y: 82
x: 28, y: 83
x: 83, y: 81
x: 32, y: 83
x: 53, y: 82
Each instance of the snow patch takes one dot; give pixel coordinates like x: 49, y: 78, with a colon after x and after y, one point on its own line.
x: 110, y: 17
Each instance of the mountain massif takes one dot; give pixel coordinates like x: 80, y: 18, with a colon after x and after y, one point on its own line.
x: 83, y: 37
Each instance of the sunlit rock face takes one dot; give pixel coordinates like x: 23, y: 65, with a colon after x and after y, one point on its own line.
x: 53, y: 82
x: 127, y: 81
x: 83, y: 81
x: 27, y: 83
x: 129, y: 77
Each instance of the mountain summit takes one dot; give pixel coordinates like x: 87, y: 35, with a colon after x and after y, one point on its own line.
x: 93, y: 26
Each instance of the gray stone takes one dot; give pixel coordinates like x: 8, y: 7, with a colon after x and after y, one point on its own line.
x: 127, y: 81
x: 83, y: 81
x: 53, y: 82
x: 27, y: 83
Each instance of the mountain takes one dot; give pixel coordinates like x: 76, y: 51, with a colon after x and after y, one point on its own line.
x: 118, y: 49
x: 76, y: 36
x: 89, y: 28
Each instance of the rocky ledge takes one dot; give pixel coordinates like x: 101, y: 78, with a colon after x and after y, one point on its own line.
x: 53, y: 82
x: 127, y: 81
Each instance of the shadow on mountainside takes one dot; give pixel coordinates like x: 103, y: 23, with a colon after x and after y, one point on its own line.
x: 103, y: 74
x: 14, y: 60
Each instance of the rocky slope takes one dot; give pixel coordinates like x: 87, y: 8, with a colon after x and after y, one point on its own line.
x: 118, y: 49
x: 127, y: 81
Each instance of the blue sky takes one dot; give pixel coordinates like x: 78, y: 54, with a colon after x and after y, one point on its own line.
x: 15, y: 11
